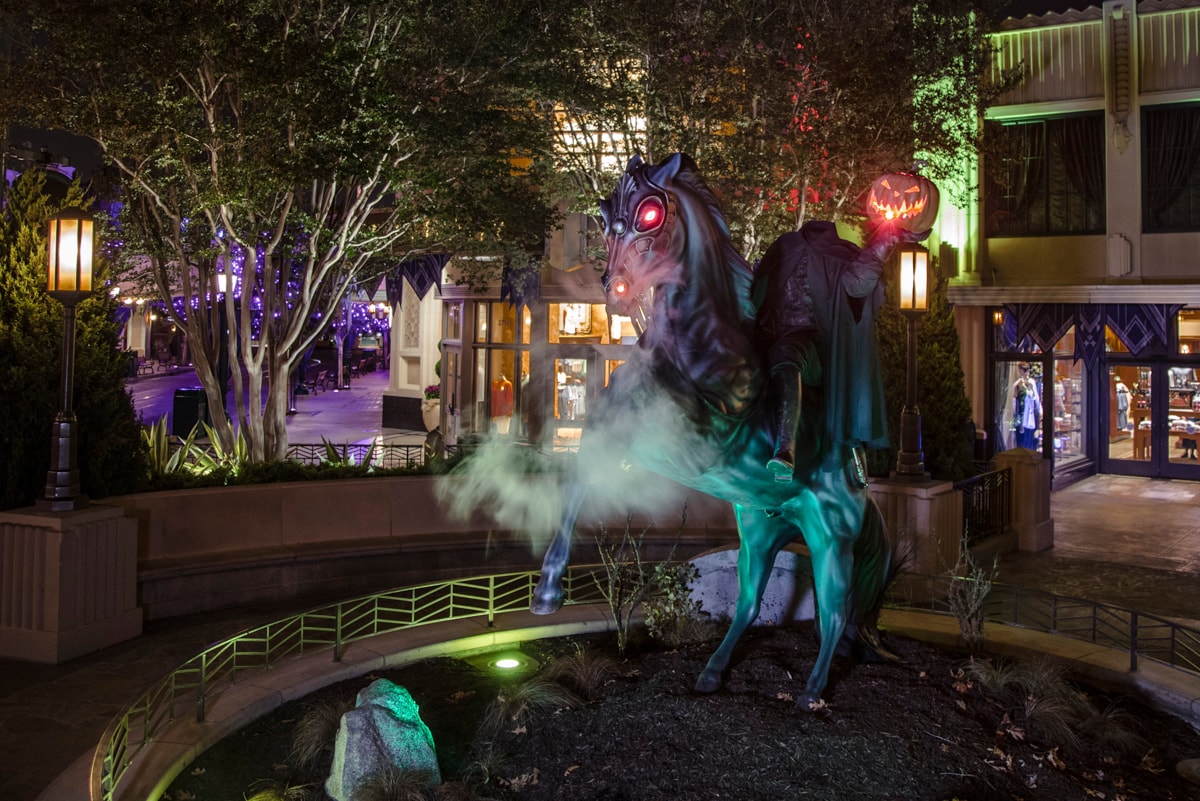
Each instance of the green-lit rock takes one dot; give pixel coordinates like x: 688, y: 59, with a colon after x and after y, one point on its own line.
x: 384, y: 731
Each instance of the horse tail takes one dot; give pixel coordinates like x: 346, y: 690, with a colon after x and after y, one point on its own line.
x: 872, y: 574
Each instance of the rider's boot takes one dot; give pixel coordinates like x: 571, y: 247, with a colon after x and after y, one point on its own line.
x: 785, y: 386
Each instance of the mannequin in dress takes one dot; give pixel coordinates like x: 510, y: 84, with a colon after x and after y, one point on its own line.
x: 502, y: 404
x: 1027, y: 409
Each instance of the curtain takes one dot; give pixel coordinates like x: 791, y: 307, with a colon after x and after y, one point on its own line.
x: 1027, y: 172
x: 1172, y: 138
x: 1080, y: 144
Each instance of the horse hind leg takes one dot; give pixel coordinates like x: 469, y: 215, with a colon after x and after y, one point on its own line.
x: 872, y: 572
x: 761, y: 537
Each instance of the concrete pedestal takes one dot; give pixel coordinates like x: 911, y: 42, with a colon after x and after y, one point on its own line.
x: 68, y: 582
x: 1030, y: 498
x: 927, y: 516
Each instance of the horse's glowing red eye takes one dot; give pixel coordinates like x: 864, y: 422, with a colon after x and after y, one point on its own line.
x: 650, y: 215
x: 620, y: 287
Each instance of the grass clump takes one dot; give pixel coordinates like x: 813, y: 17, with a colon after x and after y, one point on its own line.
x: 586, y: 671
x: 316, y: 731
x: 515, y: 705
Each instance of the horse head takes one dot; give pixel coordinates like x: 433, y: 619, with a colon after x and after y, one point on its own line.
x: 663, y: 228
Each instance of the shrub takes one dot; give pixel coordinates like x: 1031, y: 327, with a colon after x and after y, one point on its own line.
x: 671, y: 614
x: 970, y: 586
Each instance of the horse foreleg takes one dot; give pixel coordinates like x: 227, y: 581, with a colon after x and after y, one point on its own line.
x: 761, y: 538
x: 548, y: 594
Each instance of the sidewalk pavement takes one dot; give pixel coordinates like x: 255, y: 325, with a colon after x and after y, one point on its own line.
x: 1131, y: 542
x: 342, y: 416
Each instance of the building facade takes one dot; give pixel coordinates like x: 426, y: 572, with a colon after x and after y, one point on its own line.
x: 1077, y: 289
x: 529, y: 370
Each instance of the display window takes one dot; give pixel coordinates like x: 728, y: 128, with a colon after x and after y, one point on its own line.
x: 579, y: 323
x: 570, y: 401
x: 497, y: 379
x: 1187, y: 327
x: 1130, y: 412
x: 1018, y: 407
x: 1067, y: 409
x: 1040, y: 403
x: 1183, y: 412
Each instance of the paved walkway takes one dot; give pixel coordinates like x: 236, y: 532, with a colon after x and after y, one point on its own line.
x: 1127, y: 541
x: 342, y: 416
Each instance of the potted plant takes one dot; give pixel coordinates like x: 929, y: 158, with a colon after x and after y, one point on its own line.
x: 431, y: 407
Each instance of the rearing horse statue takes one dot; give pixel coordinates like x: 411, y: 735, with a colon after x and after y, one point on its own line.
x: 700, y: 399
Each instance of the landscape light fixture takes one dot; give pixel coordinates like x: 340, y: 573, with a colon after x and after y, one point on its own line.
x: 70, y: 252
x: 914, y: 302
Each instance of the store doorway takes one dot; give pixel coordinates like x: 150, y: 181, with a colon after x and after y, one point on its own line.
x: 1153, y: 420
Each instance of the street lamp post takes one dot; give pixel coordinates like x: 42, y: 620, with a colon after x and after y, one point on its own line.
x: 914, y: 302
x: 69, y: 281
x: 224, y: 370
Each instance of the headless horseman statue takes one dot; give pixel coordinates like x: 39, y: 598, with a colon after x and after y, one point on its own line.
x: 816, y: 296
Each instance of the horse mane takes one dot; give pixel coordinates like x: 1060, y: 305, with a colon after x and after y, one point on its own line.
x: 715, y: 265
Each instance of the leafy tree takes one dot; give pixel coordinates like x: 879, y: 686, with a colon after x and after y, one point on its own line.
x: 790, y: 108
x: 111, y: 456
x: 302, y: 146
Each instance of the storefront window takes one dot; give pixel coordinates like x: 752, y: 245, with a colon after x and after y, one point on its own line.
x: 481, y: 322
x: 582, y: 323
x: 452, y: 325
x: 1188, y: 328
x: 1004, y: 333
x: 1068, y: 411
x: 503, y: 327
x: 621, y: 330
x: 570, y: 401
x: 1046, y: 413
x: 496, y: 387
x: 1019, y: 411
x: 1112, y: 342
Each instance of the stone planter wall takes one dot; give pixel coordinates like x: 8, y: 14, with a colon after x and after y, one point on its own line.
x: 206, y: 549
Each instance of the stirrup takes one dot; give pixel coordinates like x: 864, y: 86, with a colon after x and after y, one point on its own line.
x: 858, y: 469
x: 781, y: 466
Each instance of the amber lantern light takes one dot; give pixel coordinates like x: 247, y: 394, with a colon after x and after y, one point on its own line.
x: 914, y: 302
x: 70, y: 252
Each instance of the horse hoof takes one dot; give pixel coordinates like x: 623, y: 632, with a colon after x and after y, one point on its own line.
x: 809, y: 702
x: 545, y: 606
x: 709, y: 682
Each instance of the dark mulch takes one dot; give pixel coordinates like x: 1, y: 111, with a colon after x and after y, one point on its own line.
x: 920, y: 728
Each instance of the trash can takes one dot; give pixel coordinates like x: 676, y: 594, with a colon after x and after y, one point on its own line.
x: 191, y: 407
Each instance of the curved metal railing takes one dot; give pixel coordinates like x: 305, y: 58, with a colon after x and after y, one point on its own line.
x: 1139, y: 634
x: 331, y: 627
x: 191, y: 685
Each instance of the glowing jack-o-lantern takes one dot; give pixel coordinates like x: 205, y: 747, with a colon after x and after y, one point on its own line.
x: 907, y: 201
